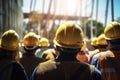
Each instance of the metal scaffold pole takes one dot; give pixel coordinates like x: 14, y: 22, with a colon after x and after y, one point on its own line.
x: 96, y: 24
x: 106, y: 12
x: 112, y: 9
x: 92, y: 8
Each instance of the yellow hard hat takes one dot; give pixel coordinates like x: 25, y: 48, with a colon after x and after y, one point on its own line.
x: 94, y: 42
x: 10, y: 40
x: 101, y: 40
x: 112, y: 31
x: 0, y: 41
x: 69, y: 35
x: 30, y: 39
x: 44, y: 42
x: 84, y: 46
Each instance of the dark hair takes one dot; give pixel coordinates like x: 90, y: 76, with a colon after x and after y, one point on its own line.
x: 67, y: 51
x: 114, y: 41
x: 8, y: 54
x: 96, y: 47
x: 30, y: 48
x: 102, y: 46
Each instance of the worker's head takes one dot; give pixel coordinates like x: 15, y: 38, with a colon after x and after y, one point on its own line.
x: 112, y: 32
x: 10, y: 45
x: 84, y: 47
x: 30, y: 41
x: 101, y: 42
x: 69, y: 36
x: 94, y: 43
x: 10, y: 40
x: 44, y: 42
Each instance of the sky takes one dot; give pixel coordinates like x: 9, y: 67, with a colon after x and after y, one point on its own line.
x: 60, y: 7
x: 102, y: 9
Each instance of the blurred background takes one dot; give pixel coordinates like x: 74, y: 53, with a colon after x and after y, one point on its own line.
x: 44, y: 16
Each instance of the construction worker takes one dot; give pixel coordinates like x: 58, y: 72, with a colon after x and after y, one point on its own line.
x: 83, y: 55
x: 10, y: 69
x: 49, y: 54
x: 102, y: 43
x: 102, y: 46
x: 0, y: 41
x: 94, y: 42
x: 68, y: 42
x: 44, y: 44
x: 86, y: 55
x: 45, y: 51
x: 29, y: 60
x: 109, y: 61
x: 98, y: 43
x: 95, y: 45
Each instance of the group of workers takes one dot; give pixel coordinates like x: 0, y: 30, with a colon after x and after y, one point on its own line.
x: 70, y: 59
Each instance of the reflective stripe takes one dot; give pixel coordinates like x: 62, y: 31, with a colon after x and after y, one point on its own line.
x: 105, y: 70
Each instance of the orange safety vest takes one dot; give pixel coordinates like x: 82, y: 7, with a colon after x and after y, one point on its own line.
x: 65, y: 71
x: 110, y: 65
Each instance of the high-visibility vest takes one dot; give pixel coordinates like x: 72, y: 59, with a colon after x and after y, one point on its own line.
x: 65, y: 71
x: 110, y: 65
